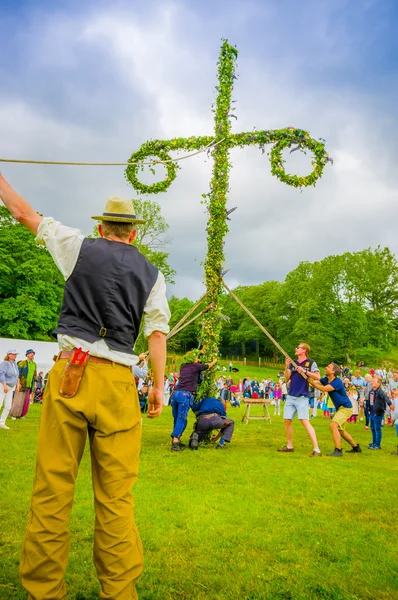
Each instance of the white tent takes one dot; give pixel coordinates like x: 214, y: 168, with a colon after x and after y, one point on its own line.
x: 44, y: 351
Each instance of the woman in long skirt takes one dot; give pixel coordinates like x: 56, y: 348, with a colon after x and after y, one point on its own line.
x: 9, y: 375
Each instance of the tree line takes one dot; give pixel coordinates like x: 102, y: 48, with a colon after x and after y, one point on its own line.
x: 344, y: 306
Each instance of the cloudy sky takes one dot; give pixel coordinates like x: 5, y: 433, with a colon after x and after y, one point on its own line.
x: 93, y: 80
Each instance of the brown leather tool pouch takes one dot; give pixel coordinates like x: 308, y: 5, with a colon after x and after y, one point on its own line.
x: 71, y: 377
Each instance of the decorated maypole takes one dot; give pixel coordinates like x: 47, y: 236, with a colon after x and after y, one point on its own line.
x: 216, y: 202
x: 219, y: 145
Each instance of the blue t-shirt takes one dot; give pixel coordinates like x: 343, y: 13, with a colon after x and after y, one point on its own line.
x: 339, y: 396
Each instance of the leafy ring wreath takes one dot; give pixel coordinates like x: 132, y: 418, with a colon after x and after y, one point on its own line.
x: 151, y: 149
x: 320, y: 158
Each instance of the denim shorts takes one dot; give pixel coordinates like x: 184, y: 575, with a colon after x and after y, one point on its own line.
x: 296, y: 405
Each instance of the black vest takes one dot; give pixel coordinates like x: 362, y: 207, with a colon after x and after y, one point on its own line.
x: 105, y: 296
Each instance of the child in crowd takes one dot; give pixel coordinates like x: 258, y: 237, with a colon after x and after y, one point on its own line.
x: 284, y: 390
x: 247, y: 392
x: 166, y: 390
x: 143, y: 398
x: 330, y: 406
x: 271, y: 395
x: 255, y: 386
x: 324, y: 407
x: 352, y: 393
x: 234, y: 399
x: 277, y: 391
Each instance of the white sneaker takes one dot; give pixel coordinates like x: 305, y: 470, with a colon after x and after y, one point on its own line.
x: 3, y: 426
x: 13, y: 418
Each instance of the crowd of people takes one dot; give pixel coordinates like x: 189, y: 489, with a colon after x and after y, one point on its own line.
x: 22, y: 376
x: 360, y: 396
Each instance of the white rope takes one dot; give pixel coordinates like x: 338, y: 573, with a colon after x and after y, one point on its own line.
x: 213, y: 144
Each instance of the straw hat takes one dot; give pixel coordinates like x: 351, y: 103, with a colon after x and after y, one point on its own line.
x: 119, y: 211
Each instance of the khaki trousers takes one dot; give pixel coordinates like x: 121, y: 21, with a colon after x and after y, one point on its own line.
x: 105, y: 409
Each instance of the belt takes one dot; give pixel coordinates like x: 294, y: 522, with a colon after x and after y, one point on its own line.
x: 208, y: 416
x: 93, y: 359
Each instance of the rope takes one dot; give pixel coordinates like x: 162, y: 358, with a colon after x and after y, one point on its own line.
x: 179, y: 326
x: 213, y: 144
x: 174, y: 332
x: 257, y: 322
x: 188, y: 314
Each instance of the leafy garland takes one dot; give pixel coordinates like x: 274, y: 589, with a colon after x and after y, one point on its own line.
x: 216, y: 200
x: 281, y: 138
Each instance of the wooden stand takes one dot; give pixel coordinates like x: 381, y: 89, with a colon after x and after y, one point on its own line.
x: 257, y: 402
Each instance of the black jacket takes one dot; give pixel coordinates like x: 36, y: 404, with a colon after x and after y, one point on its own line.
x: 379, y: 404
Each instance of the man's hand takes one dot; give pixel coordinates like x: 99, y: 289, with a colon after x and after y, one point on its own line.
x: 6, y: 388
x: 155, y: 402
x: 18, y: 388
x: 299, y: 369
x: 288, y: 362
x: 143, y: 356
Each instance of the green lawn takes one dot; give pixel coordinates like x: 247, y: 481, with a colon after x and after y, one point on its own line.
x: 247, y: 523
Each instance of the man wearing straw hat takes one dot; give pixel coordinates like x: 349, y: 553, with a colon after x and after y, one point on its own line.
x: 110, y: 288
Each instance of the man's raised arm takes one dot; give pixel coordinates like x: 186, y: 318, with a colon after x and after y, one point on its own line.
x: 19, y: 207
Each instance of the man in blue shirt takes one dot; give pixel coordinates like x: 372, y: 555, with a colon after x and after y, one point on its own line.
x: 297, y: 399
x: 210, y: 413
x: 333, y: 385
x: 358, y: 381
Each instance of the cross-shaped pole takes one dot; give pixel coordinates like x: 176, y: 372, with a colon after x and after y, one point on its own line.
x: 216, y: 200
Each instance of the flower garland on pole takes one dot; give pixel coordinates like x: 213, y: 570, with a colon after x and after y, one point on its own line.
x: 216, y: 200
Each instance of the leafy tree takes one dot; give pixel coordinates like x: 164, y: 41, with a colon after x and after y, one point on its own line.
x: 342, y: 306
x: 188, y: 337
x: 31, y: 286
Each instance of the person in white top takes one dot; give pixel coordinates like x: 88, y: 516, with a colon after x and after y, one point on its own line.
x: 166, y: 391
x: 91, y: 394
x: 140, y: 370
x: 9, y: 377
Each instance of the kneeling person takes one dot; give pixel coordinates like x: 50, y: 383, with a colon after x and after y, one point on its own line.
x: 211, y: 414
x: 333, y: 385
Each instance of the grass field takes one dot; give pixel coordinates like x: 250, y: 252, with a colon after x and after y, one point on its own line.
x: 247, y: 523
